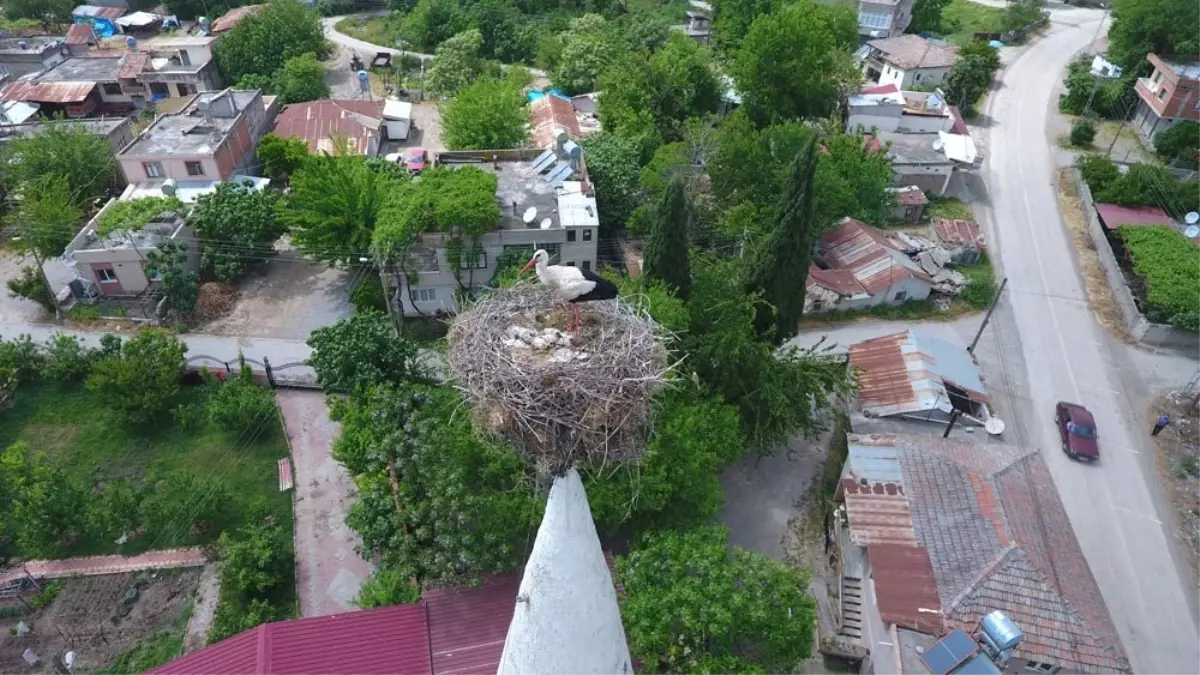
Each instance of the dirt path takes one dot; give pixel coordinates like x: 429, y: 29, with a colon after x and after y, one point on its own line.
x: 204, y: 609
x: 329, y: 569
x: 108, y: 564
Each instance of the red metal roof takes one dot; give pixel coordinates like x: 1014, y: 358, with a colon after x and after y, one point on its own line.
x: 874, y: 260
x: 467, y: 626
x: 911, y: 196
x: 47, y: 92
x: 132, y: 65
x: 906, y: 592
x: 1115, y: 215
x: 841, y: 282
x: 388, y: 641
x: 230, y: 18
x: 548, y: 113
x: 81, y: 34
x: 881, y: 89
x: 878, y: 513
x: 958, y: 232
x: 318, y: 122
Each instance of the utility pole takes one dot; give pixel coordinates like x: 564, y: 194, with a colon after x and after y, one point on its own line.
x: 1116, y: 136
x: 987, y: 317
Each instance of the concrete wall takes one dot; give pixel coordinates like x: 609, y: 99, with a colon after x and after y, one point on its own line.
x: 905, y: 79
x: 173, y: 167
x: 928, y: 178
x: 1141, y: 328
x: 30, y: 62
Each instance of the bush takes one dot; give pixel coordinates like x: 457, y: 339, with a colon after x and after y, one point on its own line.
x: 142, y: 381
x: 1167, y: 263
x: 20, y: 360
x: 31, y: 286
x: 1098, y: 171
x: 368, y: 294
x: 69, y: 360
x: 387, y: 587
x: 256, y: 561
x: 1180, y: 143
x: 47, y: 595
x: 980, y: 289
x: 1083, y: 132
x: 241, y: 407
x: 233, y: 618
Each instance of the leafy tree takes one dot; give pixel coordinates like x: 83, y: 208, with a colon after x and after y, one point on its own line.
x: 1098, y: 171
x: 387, y: 587
x: 971, y: 76
x: 780, y: 269
x: 1163, y: 27
x: 1106, y: 99
x: 457, y: 63
x: 752, y: 165
x: 927, y: 16
x: 31, y: 286
x: 732, y: 20
x: 852, y: 180
x: 1180, y: 143
x: 499, y: 23
x: 432, y: 22
x: 666, y: 253
x: 117, y: 510
x: 48, y: 214
x: 255, y: 561
x: 281, y: 156
x: 240, y: 406
x: 334, y: 205
x: 20, y: 361
x: 490, y: 114
x: 237, y: 224
x: 589, y: 46
x: 61, y: 149
x: 69, y: 359
x: 141, y: 382
x: 301, y: 79
x: 437, y: 502
x: 40, y: 504
x: 795, y: 63
x: 1142, y: 185
x: 47, y: 11
x: 361, y: 351
x: 1022, y: 14
x: 693, y: 605
x: 612, y: 163
x: 263, y: 42
x: 1083, y: 132
x: 178, y: 284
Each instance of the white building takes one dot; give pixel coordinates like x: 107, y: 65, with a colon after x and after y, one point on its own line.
x: 889, y: 109
x: 907, y: 61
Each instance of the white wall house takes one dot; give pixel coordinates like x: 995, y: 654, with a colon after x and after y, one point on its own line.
x: 899, y: 111
x: 908, y: 61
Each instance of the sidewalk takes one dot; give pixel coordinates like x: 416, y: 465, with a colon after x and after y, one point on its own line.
x: 108, y: 564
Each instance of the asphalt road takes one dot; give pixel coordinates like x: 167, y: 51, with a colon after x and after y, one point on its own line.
x: 1053, y: 349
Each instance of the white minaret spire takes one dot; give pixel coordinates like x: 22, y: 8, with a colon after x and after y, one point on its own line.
x: 566, y: 621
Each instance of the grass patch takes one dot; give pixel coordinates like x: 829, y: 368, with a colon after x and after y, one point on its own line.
x: 961, y: 19
x: 839, y: 449
x: 671, y: 11
x: 149, y: 653
x: 74, y: 428
x: 948, y: 207
x: 378, y: 30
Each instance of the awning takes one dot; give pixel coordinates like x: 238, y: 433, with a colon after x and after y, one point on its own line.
x: 138, y: 19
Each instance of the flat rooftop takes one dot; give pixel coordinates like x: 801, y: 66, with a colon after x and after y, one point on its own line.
x: 100, y: 126
x: 188, y: 133
x: 913, y: 148
x: 33, y: 45
x: 90, y: 69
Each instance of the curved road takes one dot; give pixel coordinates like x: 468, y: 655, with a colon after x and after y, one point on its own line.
x: 1115, y: 505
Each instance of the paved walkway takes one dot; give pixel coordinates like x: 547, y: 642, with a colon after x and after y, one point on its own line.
x: 108, y: 564
x: 329, y: 569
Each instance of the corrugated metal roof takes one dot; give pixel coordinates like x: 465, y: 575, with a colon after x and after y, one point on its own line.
x: 874, y: 460
x: 548, y: 113
x: 230, y: 18
x: 1113, y: 216
x: 875, y: 261
x: 906, y: 373
x: 387, y: 641
x: 906, y: 592
x: 878, y: 513
x: 958, y: 232
x: 132, y: 65
x: 467, y: 626
x: 81, y: 34
x: 318, y: 122
x: 838, y: 281
x: 910, y: 196
x: 91, y: 11
x: 47, y: 92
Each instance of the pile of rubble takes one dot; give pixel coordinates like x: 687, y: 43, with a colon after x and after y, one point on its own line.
x: 934, y: 261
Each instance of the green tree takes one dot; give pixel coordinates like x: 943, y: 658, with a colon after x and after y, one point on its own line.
x: 751, y: 165
x: 489, y: 114
x: 333, y: 207
x: 971, y: 76
x: 589, y: 46
x: 927, y: 16
x: 694, y: 605
x: 666, y: 253
x: 40, y: 504
x: 237, y: 224
x: 457, y: 63
x: 852, y: 180
x: 361, y: 351
x: 612, y: 163
x: 263, y: 42
x: 48, y: 214
x: 62, y: 149
x: 301, y: 79
x: 70, y: 361
x: 780, y: 269
x: 796, y: 63
x: 117, y: 510
x: 241, y: 407
x: 1022, y: 14
x: 732, y: 20
x: 20, y: 360
x: 1083, y: 132
x: 432, y: 22
x: 47, y: 11
x: 387, y: 587
x: 1162, y: 27
x: 281, y: 156
x: 1086, y: 92
x: 178, y: 284
x: 31, y: 286
x: 141, y: 382
x: 499, y: 23
x: 256, y: 560
x: 1180, y: 143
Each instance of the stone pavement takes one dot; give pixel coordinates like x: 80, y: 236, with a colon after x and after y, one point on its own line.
x: 108, y: 564
x: 329, y: 569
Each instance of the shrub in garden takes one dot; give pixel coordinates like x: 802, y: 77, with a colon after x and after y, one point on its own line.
x: 1167, y: 263
x: 387, y: 587
x: 239, y: 405
x: 142, y: 380
x: 20, y: 361
x: 69, y: 360
x: 1083, y: 132
x: 232, y: 618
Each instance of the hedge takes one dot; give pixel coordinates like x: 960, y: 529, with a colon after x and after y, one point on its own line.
x: 1169, y: 264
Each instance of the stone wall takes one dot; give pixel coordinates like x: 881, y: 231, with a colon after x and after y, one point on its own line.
x: 1141, y: 328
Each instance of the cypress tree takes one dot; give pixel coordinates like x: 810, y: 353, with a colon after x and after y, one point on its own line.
x: 780, y: 269
x: 665, y: 257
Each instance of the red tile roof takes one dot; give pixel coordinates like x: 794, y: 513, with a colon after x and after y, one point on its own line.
x: 841, y: 282
x: 865, y: 251
x: 881, y: 89
x: 913, y: 51
x: 81, y: 34
x: 230, y: 18
x: 905, y: 590
x: 350, y: 643
x: 47, y: 92
x: 548, y: 113
x: 319, y: 122
x: 958, y: 232
x: 1113, y: 216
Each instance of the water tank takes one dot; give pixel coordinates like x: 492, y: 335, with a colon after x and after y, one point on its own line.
x: 168, y: 187
x: 131, y: 43
x: 22, y: 44
x: 1000, y: 633
x: 203, y: 21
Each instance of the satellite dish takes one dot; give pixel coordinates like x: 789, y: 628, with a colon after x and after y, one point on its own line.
x: 1191, y: 231
x: 994, y: 426
x: 1192, y: 218
x: 530, y: 214
x: 546, y: 223
x: 938, y: 144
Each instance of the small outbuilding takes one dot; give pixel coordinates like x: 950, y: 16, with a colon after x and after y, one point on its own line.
x: 397, y: 119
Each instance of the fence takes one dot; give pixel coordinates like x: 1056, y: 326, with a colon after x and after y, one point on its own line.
x: 293, y: 375
x: 1141, y: 328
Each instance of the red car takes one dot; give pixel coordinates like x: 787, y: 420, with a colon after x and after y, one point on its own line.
x: 416, y: 161
x: 1077, y: 428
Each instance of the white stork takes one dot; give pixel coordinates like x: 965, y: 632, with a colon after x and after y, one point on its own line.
x: 571, y: 284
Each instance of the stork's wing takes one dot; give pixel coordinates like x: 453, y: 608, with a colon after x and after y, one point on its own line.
x: 570, y: 281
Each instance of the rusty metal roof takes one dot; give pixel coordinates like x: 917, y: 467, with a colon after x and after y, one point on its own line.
x: 878, y: 513
x: 81, y: 34
x: 907, y: 373
x: 132, y: 65
x: 876, y: 262
x: 906, y: 592
x: 47, y: 92
x: 549, y: 113
x: 230, y: 18
x: 841, y: 282
x: 92, y: 11
x: 319, y: 122
x: 911, y: 196
x: 958, y: 232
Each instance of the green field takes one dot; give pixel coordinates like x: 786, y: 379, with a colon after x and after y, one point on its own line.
x: 961, y: 19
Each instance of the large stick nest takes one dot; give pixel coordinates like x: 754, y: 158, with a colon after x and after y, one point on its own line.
x: 563, y: 400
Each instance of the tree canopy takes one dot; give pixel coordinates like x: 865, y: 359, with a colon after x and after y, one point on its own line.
x: 334, y: 205
x: 589, y: 46
x: 612, y: 162
x: 1140, y: 27
x: 281, y: 156
x: 732, y: 20
x: 302, y: 78
x: 237, y: 225
x: 260, y: 44
x: 49, y: 214
x: 665, y: 257
x: 795, y: 62
x: 489, y: 114
x: 457, y: 63
x: 84, y: 160
x: 927, y: 16
x: 1180, y: 143
x: 141, y: 380
x: 361, y: 351
x: 458, y: 201
x: 971, y: 76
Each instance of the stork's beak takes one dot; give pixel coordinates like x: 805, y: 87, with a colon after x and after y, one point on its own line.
x: 528, y: 266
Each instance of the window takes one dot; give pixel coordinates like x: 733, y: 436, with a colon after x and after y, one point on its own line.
x: 194, y: 168
x: 570, y: 235
x: 587, y: 234
x: 1157, y: 77
x: 185, y: 89
x: 900, y: 296
x: 917, y: 77
x: 106, y: 275
x: 570, y: 263
x: 153, y: 169
x: 425, y: 294
x: 159, y: 89
x: 587, y: 265
x: 1162, y: 93
x: 184, y: 59
x: 1035, y: 667
x: 874, y: 19
x: 112, y: 88
x: 480, y: 261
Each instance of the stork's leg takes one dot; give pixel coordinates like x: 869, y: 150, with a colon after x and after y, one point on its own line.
x: 575, y: 321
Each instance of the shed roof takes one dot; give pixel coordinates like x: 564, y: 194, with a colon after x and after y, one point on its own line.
x: 869, y: 255
x: 913, y: 51
x: 907, y: 373
x: 908, y: 594
x: 910, y: 196
x: 229, y: 19
x: 958, y: 232
x: 840, y: 281
x: 92, y: 11
x: 81, y: 34
x: 319, y: 122
x: 549, y: 113
x: 1113, y: 216
x: 47, y: 92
